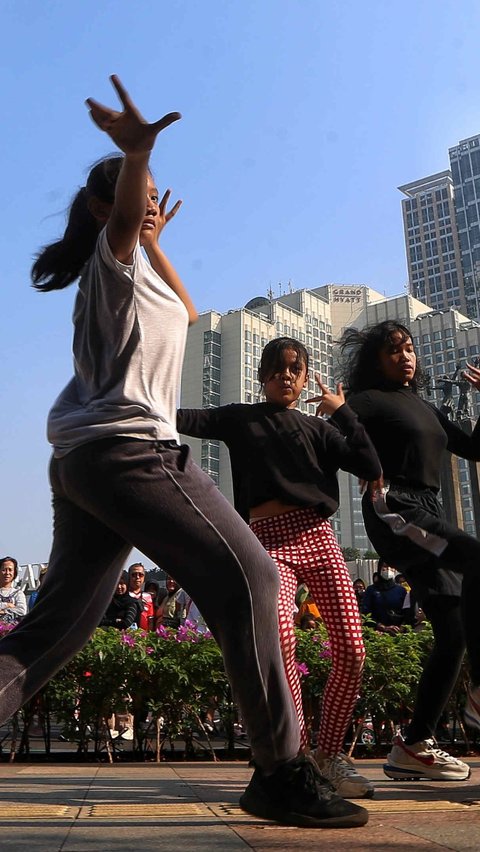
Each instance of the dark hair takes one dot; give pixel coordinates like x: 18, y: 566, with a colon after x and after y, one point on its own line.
x: 358, y: 361
x: 156, y: 593
x: 271, y: 359
x: 123, y: 578
x: 359, y: 580
x: 60, y: 263
x: 15, y: 564
x: 136, y: 565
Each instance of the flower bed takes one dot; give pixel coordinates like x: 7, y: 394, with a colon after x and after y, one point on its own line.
x: 175, y: 675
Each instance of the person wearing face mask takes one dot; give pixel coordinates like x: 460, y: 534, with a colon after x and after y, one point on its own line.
x: 384, y: 601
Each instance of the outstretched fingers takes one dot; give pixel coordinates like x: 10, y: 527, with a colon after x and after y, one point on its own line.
x: 166, y: 121
x: 100, y: 114
x: 472, y: 376
x: 162, y: 207
x: 105, y: 117
x: 340, y: 392
x: 122, y: 93
x: 173, y: 212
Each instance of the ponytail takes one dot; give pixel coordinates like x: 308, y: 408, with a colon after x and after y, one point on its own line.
x: 60, y: 263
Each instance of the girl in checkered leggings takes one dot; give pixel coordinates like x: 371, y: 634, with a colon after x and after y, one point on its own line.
x: 284, y: 466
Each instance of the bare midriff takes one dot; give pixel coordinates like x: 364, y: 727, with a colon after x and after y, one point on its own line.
x: 270, y: 509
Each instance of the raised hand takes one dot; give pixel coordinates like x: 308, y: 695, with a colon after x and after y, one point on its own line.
x: 150, y: 237
x: 328, y: 401
x: 128, y: 129
x: 374, y: 486
x: 472, y: 375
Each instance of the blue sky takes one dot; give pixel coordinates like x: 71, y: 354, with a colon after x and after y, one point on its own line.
x: 301, y: 117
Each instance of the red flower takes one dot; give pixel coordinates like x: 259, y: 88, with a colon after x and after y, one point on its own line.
x: 87, y: 674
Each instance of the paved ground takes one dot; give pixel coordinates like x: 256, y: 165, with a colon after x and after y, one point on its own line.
x: 194, y: 807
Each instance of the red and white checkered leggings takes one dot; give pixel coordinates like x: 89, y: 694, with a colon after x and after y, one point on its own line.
x: 305, y: 550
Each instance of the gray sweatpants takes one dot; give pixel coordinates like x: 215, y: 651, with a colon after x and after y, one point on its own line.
x: 112, y: 494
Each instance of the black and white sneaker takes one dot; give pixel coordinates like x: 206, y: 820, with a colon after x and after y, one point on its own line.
x: 296, y: 794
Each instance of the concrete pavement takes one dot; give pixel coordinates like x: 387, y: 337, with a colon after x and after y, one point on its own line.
x: 194, y: 806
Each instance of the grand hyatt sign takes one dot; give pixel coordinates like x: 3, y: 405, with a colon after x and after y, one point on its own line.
x: 347, y: 294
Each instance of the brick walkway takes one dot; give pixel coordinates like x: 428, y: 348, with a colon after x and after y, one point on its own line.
x: 194, y: 807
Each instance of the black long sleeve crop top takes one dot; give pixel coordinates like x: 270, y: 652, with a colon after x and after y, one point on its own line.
x: 411, y: 435
x: 280, y: 453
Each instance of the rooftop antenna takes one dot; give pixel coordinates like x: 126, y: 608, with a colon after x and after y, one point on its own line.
x: 270, y: 293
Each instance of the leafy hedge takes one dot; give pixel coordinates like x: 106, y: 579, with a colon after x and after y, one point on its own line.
x: 176, y: 675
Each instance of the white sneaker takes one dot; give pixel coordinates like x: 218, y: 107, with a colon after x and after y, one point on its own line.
x: 344, y: 778
x: 471, y: 713
x: 423, y: 760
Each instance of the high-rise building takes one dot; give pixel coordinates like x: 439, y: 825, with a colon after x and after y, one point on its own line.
x: 465, y: 168
x: 223, y: 351
x: 441, y: 219
x: 432, y: 242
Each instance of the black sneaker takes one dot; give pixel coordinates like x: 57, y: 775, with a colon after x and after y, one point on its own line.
x: 296, y: 794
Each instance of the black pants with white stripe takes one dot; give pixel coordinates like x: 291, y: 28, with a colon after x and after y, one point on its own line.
x: 114, y: 494
x: 447, y: 586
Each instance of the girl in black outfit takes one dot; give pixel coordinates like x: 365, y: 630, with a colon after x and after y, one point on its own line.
x: 405, y: 522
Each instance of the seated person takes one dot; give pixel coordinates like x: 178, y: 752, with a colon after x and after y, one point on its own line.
x: 123, y: 611
x: 384, y: 602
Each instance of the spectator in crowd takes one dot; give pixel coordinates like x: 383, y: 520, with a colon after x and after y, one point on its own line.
x: 401, y: 580
x: 359, y: 589
x: 136, y: 579
x: 384, y: 602
x: 406, y: 524
x: 156, y: 592
x: 172, y: 609
x: 153, y: 588
x: 284, y: 466
x: 13, y: 603
x: 308, y: 622
x: 123, y: 611
x: 120, y: 478
x: 34, y: 595
x: 307, y: 606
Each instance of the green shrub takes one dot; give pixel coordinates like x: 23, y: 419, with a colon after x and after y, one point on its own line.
x: 176, y: 675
